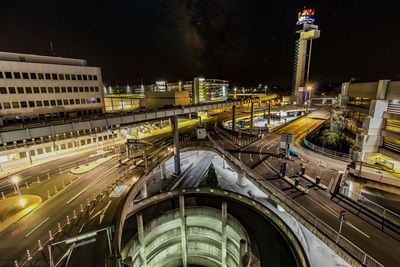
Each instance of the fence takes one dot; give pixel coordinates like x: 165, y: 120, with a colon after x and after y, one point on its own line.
x: 309, y: 220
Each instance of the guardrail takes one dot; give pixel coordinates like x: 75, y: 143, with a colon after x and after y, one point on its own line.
x: 338, y: 243
x: 323, y: 150
x: 367, y: 204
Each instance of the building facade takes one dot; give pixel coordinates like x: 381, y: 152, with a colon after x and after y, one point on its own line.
x: 209, y: 90
x: 375, y: 110
x: 35, y: 88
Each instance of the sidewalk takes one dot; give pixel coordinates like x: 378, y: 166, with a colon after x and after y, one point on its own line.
x: 319, y: 254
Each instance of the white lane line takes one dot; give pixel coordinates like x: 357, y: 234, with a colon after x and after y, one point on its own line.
x: 328, y: 209
x: 45, y: 171
x: 80, y: 230
x: 40, y: 224
x: 251, y: 158
x: 86, y: 188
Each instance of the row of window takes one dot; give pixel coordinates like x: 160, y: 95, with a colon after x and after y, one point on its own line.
x: 47, y: 103
x: 44, y: 90
x: 46, y: 76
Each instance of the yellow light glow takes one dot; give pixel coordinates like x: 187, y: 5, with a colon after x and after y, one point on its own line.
x: 22, y: 202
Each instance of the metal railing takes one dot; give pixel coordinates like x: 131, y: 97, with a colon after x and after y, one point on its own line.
x: 305, y: 217
x: 367, y: 204
x: 326, y: 151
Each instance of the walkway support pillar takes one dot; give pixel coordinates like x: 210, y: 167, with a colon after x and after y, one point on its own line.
x: 252, y: 118
x: 233, y: 117
x: 183, y: 230
x: 241, y: 180
x: 142, y: 250
x: 175, y: 134
x: 223, y: 236
x: 163, y: 172
x: 143, y: 191
x: 269, y: 111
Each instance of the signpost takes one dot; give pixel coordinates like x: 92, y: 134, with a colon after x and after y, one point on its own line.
x: 341, y: 219
x: 286, y: 141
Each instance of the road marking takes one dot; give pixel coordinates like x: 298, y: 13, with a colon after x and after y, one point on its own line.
x: 118, y: 190
x: 80, y: 230
x: 101, y: 212
x: 328, y: 209
x: 90, y: 185
x: 34, y: 229
x: 45, y: 171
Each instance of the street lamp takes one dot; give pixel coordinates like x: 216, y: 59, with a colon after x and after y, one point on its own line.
x: 22, y: 201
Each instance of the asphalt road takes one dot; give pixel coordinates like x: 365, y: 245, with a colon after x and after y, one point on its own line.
x: 262, y: 157
x: 25, y: 233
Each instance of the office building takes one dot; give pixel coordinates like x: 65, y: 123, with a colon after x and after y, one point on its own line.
x: 156, y: 100
x: 36, y: 88
x: 308, y: 31
x: 375, y: 110
x: 209, y: 90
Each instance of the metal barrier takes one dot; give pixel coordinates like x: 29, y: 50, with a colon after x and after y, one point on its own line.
x: 367, y: 204
x: 309, y: 220
x: 326, y: 151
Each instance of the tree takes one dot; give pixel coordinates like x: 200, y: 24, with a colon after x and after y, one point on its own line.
x: 211, y: 179
x: 335, y: 137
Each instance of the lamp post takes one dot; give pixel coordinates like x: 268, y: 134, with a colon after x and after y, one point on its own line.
x: 15, y: 180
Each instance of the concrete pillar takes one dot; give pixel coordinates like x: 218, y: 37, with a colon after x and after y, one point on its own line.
x: 233, y: 117
x: 143, y: 191
x: 142, y: 250
x: 175, y: 134
x: 269, y: 111
x: 183, y: 230
x: 242, y: 253
x: 241, y: 179
x: 252, y: 117
x: 224, y: 214
x: 163, y: 172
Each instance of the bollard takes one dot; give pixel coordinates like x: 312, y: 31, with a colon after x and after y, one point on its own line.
x: 60, y: 170
x: 59, y: 227
x: 317, y: 180
x: 296, y: 182
x: 88, y: 202
x: 68, y: 222
x: 40, y: 245
x: 26, y: 184
x: 63, y: 183
x: 16, y: 263
x: 38, y: 180
x: 55, y: 189
x: 50, y: 236
x: 48, y: 194
x: 28, y: 254
x: 94, y: 198
x: 302, y: 170
x: 15, y: 190
x: 2, y: 195
x: 74, y: 214
x: 48, y: 175
x: 81, y: 207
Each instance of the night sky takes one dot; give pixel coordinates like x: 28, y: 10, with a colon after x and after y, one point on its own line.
x: 245, y: 41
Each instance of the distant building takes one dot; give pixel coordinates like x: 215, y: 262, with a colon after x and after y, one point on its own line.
x: 209, y: 90
x: 375, y: 108
x: 160, y: 86
x: 36, y: 88
x: 156, y: 100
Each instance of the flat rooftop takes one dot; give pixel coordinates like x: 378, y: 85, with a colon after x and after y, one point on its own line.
x: 31, y: 58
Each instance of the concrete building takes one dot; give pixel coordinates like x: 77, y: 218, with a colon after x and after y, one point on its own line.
x: 308, y: 32
x: 156, y: 100
x: 375, y: 108
x: 160, y: 86
x: 209, y: 90
x: 34, y: 88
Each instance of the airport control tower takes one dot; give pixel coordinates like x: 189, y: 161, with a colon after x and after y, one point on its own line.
x: 308, y: 31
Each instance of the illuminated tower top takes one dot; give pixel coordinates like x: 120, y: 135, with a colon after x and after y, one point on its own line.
x: 306, y: 17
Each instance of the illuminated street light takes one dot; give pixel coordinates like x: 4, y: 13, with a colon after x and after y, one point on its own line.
x: 22, y: 201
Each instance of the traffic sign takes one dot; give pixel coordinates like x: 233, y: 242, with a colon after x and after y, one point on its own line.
x: 308, y: 131
x: 132, y: 141
x: 343, y: 213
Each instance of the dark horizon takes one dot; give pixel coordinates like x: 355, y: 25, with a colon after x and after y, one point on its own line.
x: 245, y: 42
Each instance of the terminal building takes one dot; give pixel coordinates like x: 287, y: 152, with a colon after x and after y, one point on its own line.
x: 37, y: 88
x: 209, y: 90
x: 375, y: 110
